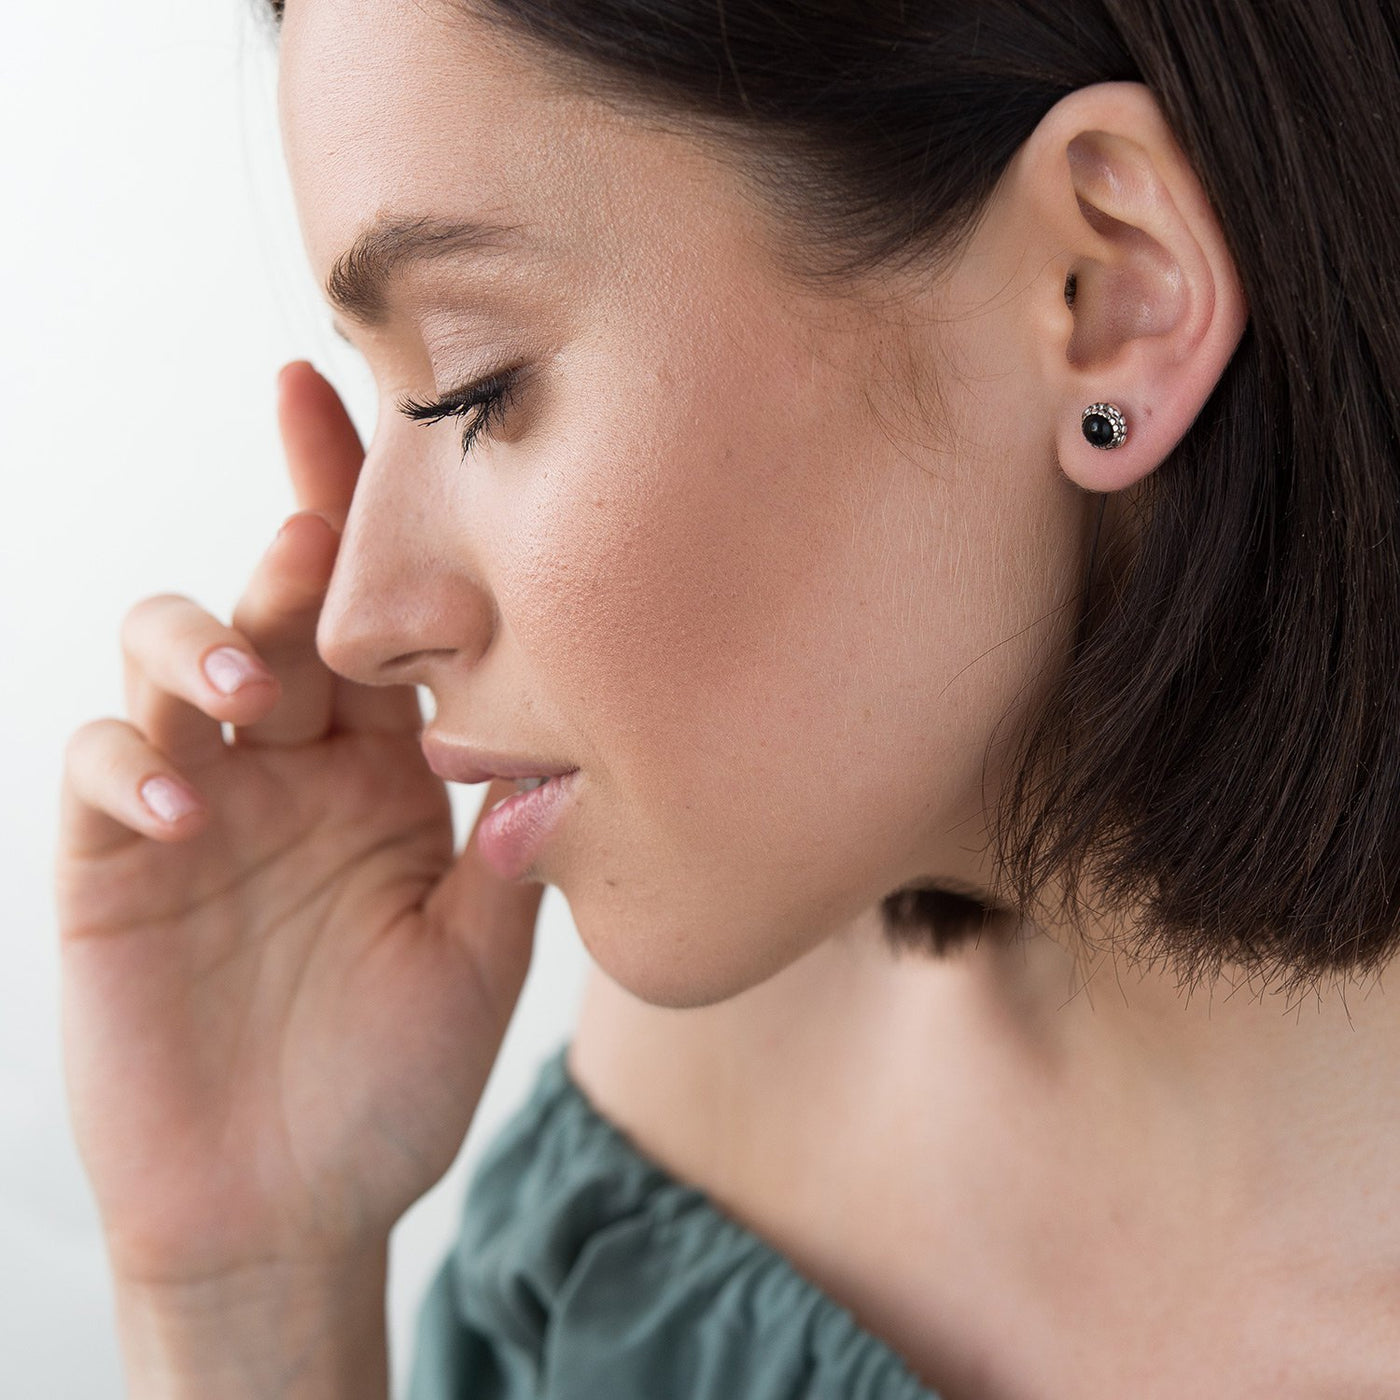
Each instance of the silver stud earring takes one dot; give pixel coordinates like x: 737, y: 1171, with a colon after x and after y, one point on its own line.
x: 1104, y: 425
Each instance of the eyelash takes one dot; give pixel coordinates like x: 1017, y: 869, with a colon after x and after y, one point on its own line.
x: 492, y: 395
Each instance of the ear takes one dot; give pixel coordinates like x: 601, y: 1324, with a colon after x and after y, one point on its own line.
x: 1143, y: 305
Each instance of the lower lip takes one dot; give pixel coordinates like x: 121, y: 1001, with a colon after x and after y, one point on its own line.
x: 510, y: 836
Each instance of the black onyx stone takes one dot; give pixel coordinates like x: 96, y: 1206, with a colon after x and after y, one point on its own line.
x: 1098, y: 430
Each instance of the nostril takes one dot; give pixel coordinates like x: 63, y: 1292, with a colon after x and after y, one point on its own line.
x: 414, y: 660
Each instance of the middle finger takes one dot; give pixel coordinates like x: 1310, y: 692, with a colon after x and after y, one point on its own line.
x: 278, y: 612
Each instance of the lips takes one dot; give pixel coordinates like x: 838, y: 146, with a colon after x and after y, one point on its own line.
x: 459, y: 763
x: 515, y: 832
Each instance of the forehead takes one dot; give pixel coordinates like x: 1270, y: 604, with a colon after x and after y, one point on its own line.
x: 397, y: 112
x: 421, y: 110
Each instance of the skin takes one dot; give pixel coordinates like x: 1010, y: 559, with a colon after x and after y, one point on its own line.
x: 779, y: 571
x: 777, y: 641
x: 770, y: 568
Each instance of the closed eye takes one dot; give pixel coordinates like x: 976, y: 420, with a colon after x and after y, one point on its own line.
x: 486, y: 399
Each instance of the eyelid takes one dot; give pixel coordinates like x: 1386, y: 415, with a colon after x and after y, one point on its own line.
x: 490, y: 396
x: 457, y: 400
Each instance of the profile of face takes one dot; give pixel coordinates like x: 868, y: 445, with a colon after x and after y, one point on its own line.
x: 779, y: 572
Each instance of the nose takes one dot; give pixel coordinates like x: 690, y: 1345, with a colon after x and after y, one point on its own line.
x: 404, y: 596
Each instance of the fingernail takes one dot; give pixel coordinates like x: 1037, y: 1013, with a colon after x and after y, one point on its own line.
x: 168, y: 799
x: 229, y: 669
x: 322, y: 514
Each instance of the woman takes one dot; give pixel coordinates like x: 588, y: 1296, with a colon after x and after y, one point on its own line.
x: 922, y: 480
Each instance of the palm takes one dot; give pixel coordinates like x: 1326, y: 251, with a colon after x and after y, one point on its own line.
x: 284, y: 1010
x: 277, y: 1029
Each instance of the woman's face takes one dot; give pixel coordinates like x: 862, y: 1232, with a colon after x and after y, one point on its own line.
x: 767, y: 567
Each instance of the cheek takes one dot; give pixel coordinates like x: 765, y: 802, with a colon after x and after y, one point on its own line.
x: 780, y: 654
x: 696, y: 594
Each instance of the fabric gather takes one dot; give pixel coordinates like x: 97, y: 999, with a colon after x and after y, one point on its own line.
x: 582, y: 1270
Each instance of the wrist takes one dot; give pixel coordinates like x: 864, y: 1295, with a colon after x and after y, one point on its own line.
x: 279, y: 1331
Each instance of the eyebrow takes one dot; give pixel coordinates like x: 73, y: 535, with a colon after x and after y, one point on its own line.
x: 359, y: 280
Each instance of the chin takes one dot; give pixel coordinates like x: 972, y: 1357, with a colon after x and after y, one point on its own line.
x: 683, y: 958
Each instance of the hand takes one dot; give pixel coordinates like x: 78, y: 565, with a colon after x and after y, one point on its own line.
x: 279, y: 1010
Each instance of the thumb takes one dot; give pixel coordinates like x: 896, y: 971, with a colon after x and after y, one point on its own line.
x: 492, y: 919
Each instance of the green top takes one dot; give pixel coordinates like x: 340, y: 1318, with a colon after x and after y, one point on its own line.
x: 583, y: 1271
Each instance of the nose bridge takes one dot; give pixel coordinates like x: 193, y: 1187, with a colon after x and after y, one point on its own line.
x: 402, y: 584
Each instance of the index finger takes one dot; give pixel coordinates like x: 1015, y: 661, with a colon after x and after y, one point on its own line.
x: 324, y: 452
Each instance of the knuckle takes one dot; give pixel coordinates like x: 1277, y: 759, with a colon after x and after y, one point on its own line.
x: 86, y: 739
x: 233, y: 636
x: 100, y: 755
x: 140, y: 615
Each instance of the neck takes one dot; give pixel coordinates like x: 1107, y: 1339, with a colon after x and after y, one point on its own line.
x: 1161, y: 1190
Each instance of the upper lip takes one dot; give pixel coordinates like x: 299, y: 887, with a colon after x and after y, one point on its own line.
x: 459, y: 763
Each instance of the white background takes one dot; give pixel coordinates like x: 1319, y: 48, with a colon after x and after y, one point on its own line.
x: 153, y: 283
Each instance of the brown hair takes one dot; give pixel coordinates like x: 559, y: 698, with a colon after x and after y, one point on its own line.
x: 1221, y: 754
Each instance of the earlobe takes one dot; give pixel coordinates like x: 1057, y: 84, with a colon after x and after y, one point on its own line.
x: 1150, y: 304
x: 1104, y: 425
